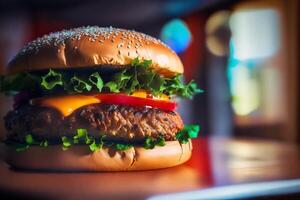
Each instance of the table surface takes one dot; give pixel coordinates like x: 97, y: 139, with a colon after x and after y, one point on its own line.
x: 215, y: 162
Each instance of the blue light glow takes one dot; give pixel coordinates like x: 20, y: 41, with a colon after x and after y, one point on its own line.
x: 176, y: 34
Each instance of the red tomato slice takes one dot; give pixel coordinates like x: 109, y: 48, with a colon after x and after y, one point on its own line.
x: 124, y: 99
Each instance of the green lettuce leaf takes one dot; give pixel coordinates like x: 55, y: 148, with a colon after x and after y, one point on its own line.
x: 112, y: 86
x: 19, y: 82
x: 157, y: 85
x: 135, y: 62
x: 82, y: 137
x: 66, y: 143
x: 189, y: 90
x: 121, y: 79
x: 188, y: 132
x: 28, y: 142
x: 52, y: 79
x: 28, y: 139
x: 44, y: 143
x: 80, y: 85
x: 160, y: 141
x: 141, y: 63
x: 174, y: 86
x: 151, y: 142
x: 82, y: 134
x: 132, y: 85
x: 96, y: 79
x: 21, y: 147
x: 122, y: 147
x: 138, y: 76
x: 94, y: 146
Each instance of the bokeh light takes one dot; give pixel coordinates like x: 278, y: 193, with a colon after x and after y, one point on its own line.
x: 255, y: 39
x: 176, y: 34
x: 218, y: 33
x: 255, y: 33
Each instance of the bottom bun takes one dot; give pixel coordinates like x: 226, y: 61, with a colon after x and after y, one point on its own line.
x: 80, y: 158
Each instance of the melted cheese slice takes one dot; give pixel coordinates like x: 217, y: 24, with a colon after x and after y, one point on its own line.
x: 66, y: 104
x: 140, y: 93
x: 144, y: 94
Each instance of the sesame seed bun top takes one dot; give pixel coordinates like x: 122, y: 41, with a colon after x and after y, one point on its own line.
x: 94, y: 46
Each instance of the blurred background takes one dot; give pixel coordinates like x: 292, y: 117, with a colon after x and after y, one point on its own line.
x: 243, y: 53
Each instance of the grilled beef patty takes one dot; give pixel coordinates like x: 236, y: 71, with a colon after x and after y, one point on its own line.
x: 118, y: 122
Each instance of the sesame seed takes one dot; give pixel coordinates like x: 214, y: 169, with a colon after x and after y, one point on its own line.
x: 120, y: 45
x: 92, y: 33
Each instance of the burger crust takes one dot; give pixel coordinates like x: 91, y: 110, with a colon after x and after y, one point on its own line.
x: 94, y: 47
x: 80, y: 158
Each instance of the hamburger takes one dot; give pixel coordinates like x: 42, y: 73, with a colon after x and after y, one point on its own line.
x: 96, y: 99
